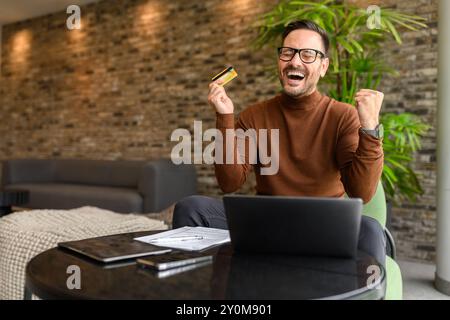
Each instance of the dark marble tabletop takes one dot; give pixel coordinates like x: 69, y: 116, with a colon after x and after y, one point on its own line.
x: 229, y: 276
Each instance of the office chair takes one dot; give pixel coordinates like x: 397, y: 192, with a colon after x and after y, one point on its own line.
x: 376, y: 208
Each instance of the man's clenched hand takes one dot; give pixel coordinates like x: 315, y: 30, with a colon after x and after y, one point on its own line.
x: 368, y: 104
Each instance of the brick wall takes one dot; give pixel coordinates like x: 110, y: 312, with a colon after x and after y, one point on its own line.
x: 415, y: 90
x: 135, y: 72
x: 139, y: 69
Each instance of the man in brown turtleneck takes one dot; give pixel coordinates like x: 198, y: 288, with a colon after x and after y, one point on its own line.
x: 326, y: 148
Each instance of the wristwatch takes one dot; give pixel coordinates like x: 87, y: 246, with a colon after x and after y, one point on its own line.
x: 377, y: 133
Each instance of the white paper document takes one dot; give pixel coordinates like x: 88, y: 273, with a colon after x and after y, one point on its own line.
x: 188, y: 238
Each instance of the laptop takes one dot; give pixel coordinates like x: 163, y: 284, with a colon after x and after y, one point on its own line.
x: 314, y: 226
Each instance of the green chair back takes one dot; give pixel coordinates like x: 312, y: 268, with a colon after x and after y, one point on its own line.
x: 376, y: 208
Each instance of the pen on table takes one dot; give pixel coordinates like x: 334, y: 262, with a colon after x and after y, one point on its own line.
x: 177, y: 239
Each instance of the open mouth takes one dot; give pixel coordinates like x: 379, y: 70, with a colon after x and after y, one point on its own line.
x: 295, y: 76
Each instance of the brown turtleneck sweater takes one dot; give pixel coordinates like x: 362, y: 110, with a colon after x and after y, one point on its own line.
x: 321, y: 150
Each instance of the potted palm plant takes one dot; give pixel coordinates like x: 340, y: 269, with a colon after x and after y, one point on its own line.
x: 356, y: 36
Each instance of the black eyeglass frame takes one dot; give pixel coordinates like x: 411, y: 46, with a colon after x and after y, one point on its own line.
x: 318, y: 52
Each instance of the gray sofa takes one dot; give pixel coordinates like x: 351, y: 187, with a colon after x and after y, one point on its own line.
x: 120, y: 186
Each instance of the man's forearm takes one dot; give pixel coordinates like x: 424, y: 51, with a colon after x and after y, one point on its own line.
x: 361, y: 177
x: 230, y: 176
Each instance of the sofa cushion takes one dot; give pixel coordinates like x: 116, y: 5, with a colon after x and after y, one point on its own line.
x: 98, y: 172
x: 68, y: 196
x: 27, y: 170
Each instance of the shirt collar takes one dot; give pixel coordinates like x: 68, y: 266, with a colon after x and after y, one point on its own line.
x: 303, y: 103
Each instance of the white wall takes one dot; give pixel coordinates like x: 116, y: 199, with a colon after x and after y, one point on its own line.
x: 442, y: 279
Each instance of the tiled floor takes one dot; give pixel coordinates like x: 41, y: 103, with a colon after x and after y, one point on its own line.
x: 418, y: 281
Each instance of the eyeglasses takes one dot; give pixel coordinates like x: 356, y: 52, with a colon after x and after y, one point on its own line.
x: 306, y: 55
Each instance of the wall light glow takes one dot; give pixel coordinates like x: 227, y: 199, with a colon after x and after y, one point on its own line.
x: 20, y: 44
x: 149, y: 13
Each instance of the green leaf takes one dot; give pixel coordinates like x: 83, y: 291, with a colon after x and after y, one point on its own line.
x: 346, y: 45
x: 390, y: 173
x: 356, y: 45
x: 393, y: 31
x: 396, y: 164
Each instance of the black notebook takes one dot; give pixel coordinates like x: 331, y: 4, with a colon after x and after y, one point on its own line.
x: 113, y: 248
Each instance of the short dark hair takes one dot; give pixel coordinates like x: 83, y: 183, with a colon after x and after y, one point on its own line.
x: 309, y: 25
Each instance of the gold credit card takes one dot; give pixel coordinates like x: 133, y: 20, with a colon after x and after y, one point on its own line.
x: 226, y: 75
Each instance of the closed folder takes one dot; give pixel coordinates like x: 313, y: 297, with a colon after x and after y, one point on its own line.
x: 113, y: 248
